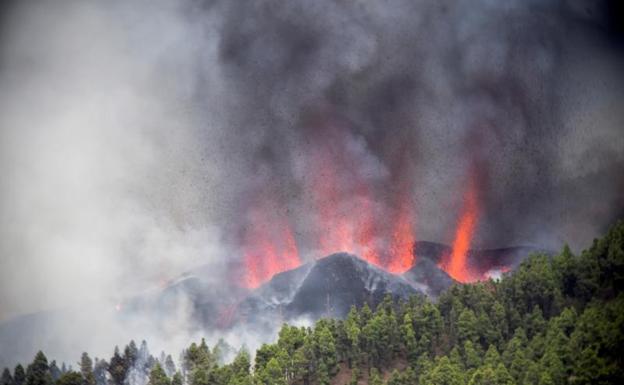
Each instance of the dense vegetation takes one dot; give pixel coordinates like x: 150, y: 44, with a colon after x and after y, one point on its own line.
x: 555, y: 320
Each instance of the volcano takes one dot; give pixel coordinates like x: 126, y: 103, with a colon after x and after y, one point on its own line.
x: 326, y: 287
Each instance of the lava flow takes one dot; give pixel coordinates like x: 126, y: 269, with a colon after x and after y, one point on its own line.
x: 456, y: 263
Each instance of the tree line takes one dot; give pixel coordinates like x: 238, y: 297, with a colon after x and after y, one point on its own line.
x: 555, y: 320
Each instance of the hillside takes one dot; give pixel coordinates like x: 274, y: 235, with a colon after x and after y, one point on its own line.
x: 554, y: 320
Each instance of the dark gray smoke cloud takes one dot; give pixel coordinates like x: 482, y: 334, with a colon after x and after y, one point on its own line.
x: 139, y: 137
x: 527, y: 93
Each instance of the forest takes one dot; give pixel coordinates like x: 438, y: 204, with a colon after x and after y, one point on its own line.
x: 557, y: 319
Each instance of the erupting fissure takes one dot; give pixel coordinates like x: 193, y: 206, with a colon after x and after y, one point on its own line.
x: 347, y: 207
x: 456, y: 262
x: 268, y: 250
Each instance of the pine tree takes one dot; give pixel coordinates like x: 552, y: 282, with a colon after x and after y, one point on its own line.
x: 353, y: 332
x: 409, y: 338
x: 178, y: 380
x: 99, y: 371
x: 483, y: 376
x: 117, y: 368
x: 19, y: 376
x: 70, y: 378
x: 492, y: 358
x: 158, y: 376
x: 445, y: 373
x: 55, y: 372
x: 273, y: 374
x: 241, y: 369
x: 86, y: 369
x: 375, y: 379
x: 472, y: 360
x: 502, y: 376
x: 545, y: 379
x: 355, y: 376
x: 467, y: 326
x: 326, y: 351
x: 38, y: 372
x: 169, y: 365
x: 7, y: 378
x: 131, y: 354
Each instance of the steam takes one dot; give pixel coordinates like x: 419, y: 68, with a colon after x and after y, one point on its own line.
x: 138, y: 137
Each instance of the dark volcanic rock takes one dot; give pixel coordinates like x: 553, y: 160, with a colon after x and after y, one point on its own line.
x: 507, y: 257
x: 480, y: 260
x: 426, y: 272
x: 327, y: 287
x: 430, y: 250
x: 337, y: 282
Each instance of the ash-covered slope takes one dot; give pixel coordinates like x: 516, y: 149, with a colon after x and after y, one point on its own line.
x: 327, y: 287
x: 427, y: 273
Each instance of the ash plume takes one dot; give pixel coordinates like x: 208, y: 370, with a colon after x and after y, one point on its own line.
x: 139, y: 139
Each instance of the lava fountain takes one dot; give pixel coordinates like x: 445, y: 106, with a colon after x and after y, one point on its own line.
x: 349, y: 203
x: 267, y: 250
x: 456, y: 263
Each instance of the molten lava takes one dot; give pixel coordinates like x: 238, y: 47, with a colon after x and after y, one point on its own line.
x: 402, y: 246
x: 456, y: 263
x: 350, y: 216
x: 269, y: 246
x: 350, y: 202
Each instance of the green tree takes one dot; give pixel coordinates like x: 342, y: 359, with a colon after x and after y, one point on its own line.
x: 178, y: 380
x: 38, y: 372
x: 353, y: 331
x: 545, y: 379
x: 117, y: 368
x: 241, y: 369
x: 169, y: 365
x: 199, y: 376
x: 355, y: 376
x: 375, y: 378
x: 272, y: 374
x: 409, y: 338
x: 19, y: 375
x: 534, y: 322
x: 7, y: 378
x: 86, y: 369
x: 483, y: 376
x: 502, y: 376
x: 158, y: 376
x: 131, y: 353
x: 472, y: 359
x: 99, y: 371
x: 55, y: 372
x: 325, y: 351
x: 467, y: 326
x: 444, y: 373
x: 515, y: 357
x: 70, y: 378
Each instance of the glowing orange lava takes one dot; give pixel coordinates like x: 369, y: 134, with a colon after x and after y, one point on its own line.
x: 402, y: 246
x: 343, y: 205
x: 456, y: 263
x: 351, y: 204
x: 269, y: 246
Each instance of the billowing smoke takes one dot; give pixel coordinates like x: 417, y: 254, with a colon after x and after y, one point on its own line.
x: 142, y: 139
